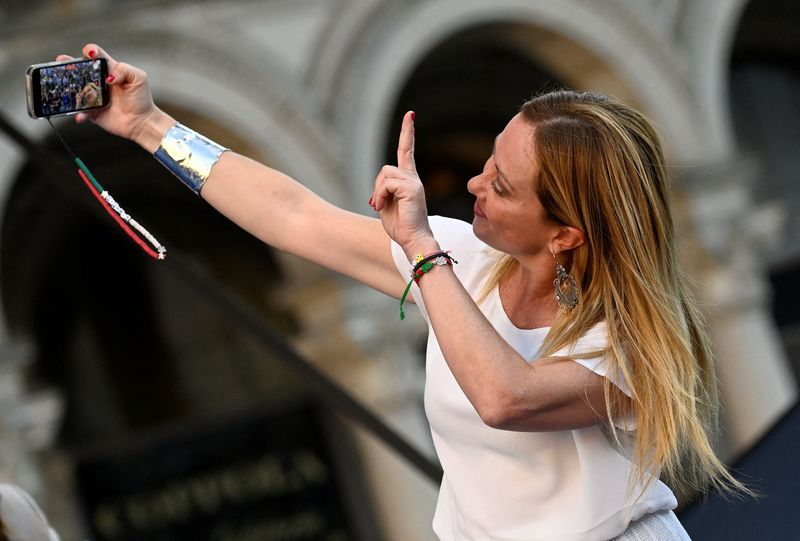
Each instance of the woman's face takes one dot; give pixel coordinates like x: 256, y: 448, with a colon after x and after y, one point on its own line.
x: 90, y: 96
x: 508, y: 214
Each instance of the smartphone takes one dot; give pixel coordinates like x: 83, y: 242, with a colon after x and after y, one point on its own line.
x: 66, y: 88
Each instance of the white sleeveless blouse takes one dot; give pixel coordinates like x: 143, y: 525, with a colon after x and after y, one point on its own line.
x: 523, y: 486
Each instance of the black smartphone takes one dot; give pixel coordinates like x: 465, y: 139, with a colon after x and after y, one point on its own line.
x: 65, y: 88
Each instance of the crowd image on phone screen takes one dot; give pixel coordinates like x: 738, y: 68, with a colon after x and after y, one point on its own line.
x: 72, y: 87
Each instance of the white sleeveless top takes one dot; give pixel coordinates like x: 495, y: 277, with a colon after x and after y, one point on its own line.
x: 568, y: 485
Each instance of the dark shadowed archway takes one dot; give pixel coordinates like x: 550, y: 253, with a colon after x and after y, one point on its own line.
x: 130, y: 346
x: 464, y: 93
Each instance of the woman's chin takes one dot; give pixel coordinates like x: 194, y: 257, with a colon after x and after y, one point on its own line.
x: 479, y: 228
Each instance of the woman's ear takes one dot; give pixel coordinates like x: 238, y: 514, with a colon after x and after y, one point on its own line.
x: 568, y: 238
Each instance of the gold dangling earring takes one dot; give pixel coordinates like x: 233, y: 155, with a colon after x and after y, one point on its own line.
x: 566, y: 288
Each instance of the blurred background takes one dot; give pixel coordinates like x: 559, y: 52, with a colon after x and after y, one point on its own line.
x: 135, y: 404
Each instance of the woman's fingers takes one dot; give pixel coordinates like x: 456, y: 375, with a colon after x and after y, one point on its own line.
x: 386, y: 184
x: 398, y: 194
x: 118, y: 72
x: 405, y: 145
x: 123, y: 74
x: 389, y: 181
x: 405, y: 171
x: 92, y: 50
x: 389, y: 187
x: 86, y: 116
x: 395, y: 188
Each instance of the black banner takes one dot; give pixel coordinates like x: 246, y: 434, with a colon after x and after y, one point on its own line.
x: 254, y: 477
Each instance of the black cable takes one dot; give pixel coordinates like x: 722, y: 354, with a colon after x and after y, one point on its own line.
x: 63, y: 142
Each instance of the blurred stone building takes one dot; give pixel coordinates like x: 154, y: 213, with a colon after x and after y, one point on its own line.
x: 98, y: 345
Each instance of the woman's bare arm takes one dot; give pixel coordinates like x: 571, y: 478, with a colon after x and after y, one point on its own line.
x: 284, y: 214
x: 267, y: 203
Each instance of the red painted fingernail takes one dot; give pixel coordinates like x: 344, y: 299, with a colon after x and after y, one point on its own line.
x: 92, y: 53
x: 370, y: 201
x: 413, y: 115
x: 110, y: 78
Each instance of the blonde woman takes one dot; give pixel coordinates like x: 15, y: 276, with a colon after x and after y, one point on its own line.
x: 89, y: 96
x: 567, y: 367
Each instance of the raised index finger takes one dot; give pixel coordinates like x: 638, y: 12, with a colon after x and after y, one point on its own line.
x: 405, y: 146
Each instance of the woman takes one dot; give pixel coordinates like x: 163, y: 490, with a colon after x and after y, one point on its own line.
x: 552, y: 415
x: 89, y: 96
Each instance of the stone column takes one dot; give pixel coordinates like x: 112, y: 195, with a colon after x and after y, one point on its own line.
x: 756, y: 380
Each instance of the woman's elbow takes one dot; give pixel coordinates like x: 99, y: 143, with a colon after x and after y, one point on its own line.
x: 541, y: 417
x: 499, y: 414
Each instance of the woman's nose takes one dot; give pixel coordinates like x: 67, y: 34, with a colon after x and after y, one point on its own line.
x: 474, y: 184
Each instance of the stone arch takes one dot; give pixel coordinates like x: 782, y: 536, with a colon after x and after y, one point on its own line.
x: 650, y: 74
x: 710, y: 28
x: 464, y: 92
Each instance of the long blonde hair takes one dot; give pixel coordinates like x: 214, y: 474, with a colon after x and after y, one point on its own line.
x: 602, y: 171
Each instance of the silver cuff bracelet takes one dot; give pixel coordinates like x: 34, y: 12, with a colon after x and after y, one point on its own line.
x: 188, y: 155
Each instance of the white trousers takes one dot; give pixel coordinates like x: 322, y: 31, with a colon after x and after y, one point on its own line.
x: 661, y: 526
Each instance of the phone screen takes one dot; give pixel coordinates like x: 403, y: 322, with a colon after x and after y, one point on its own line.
x: 67, y: 87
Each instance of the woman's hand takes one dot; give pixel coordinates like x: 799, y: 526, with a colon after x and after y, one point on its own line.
x: 399, y: 197
x: 131, y: 103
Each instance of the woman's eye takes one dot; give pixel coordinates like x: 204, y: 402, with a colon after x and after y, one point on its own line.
x: 495, y: 189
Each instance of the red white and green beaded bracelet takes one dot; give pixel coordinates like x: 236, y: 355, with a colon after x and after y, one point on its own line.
x: 123, y: 219
x: 423, y: 264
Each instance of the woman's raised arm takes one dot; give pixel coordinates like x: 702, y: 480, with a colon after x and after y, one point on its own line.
x: 265, y: 202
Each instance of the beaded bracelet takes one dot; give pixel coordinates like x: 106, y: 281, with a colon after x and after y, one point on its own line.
x: 132, y: 228
x: 423, y: 264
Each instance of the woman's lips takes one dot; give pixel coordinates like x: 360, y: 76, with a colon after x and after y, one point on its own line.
x: 478, y: 212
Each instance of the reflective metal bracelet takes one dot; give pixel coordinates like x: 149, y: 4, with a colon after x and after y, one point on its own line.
x: 188, y: 155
